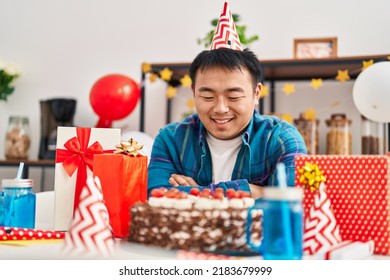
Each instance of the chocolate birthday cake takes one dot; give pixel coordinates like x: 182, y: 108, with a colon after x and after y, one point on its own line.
x: 201, y: 221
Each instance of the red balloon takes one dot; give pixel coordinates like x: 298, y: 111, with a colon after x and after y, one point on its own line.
x: 113, y: 97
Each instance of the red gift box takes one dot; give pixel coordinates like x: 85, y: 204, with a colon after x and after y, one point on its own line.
x: 124, y: 183
x: 358, y: 187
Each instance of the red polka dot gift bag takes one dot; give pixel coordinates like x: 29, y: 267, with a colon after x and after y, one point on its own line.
x: 358, y: 187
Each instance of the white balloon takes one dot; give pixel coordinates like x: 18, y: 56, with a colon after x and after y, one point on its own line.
x: 371, y: 92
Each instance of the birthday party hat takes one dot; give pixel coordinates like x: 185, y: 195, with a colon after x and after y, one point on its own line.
x: 90, y: 233
x: 225, y: 35
x: 321, y: 228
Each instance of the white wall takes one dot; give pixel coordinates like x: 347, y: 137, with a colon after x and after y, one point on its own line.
x: 64, y: 46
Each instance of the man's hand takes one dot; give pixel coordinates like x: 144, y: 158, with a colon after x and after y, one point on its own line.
x: 181, y: 180
x: 257, y: 191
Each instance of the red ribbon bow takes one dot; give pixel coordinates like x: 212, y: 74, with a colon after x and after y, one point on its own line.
x: 78, y: 155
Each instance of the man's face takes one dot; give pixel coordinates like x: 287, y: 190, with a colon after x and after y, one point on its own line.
x: 225, y: 101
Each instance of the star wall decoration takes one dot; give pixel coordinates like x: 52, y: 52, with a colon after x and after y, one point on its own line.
x: 316, y: 83
x: 190, y: 103
x: 287, y: 117
x: 171, y: 92
x: 166, y: 74
x: 186, y: 81
x: 153, y: 77
x: 289, y: 88
x: 367, y: 64
x: 264, y: 91
x: 310, y: 114
x: 342, y: 75
x: 146, y: 67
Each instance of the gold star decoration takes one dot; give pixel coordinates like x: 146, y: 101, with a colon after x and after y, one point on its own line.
x: 171, y: 92
x: 289, y: 88
x: 316, y: 83
x: 342, y: 76
x: 310, y: 114
x: 190, y: 103
x: 367, y: 64
x: 153, y: 77
x: 264, y: 91
x: 166, y: 74
x: 287, y: 117
x: 186, y: 81
x: 146, y: 67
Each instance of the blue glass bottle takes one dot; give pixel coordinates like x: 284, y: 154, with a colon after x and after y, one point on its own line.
x: 18, y: 203
x: 282, y: 224
x: 2, y: 209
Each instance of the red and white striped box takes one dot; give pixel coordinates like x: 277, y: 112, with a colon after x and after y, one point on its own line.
x: 358, y: 187
x: 347, y: 250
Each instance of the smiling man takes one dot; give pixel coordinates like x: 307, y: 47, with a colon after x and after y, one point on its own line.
x: 227, y: 143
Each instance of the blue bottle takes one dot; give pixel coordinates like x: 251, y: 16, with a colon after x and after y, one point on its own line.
x: 17, y: 203
x: 2, y: 209
x: 282, y: 226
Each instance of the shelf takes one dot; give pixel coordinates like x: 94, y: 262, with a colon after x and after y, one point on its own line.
x: 291, y: 69
x: 274, y: 70
x: 33, y: 162
x: 298, y: 69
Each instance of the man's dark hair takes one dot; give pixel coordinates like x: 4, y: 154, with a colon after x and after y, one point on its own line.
x: 228, y: 59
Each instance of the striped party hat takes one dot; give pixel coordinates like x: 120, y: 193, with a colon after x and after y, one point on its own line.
x: 225, y: 35
x: 321, y: 230
x: 90, y: 232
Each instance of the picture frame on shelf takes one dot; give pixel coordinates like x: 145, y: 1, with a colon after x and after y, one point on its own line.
x: 315, y: 48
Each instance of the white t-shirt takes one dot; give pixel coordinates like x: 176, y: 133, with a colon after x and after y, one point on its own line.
x: 223, y: 156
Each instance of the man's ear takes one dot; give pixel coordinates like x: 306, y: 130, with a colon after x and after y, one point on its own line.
x: 257, y: 92
x: 193, y: 89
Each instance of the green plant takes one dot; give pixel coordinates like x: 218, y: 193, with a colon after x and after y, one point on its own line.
x: 8, y: 74
x: 241, y: 31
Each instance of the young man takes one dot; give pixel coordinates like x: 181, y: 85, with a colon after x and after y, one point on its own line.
x: 227, y: 144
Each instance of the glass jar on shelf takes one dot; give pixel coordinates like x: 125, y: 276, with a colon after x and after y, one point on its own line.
x: 374, y: 137
x: 339, y: 136
x: 309, y: 131
x: 17, y: 138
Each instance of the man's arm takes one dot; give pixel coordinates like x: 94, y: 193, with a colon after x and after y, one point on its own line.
x: 287, y: 144
x: 180, y: 181
x: 166, y: 161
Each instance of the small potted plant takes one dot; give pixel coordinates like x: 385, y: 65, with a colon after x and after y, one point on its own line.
x: 241, y: 31
x: 8, y: 74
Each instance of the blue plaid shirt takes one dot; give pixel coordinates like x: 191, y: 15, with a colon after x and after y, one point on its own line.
x: 181, y: 148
